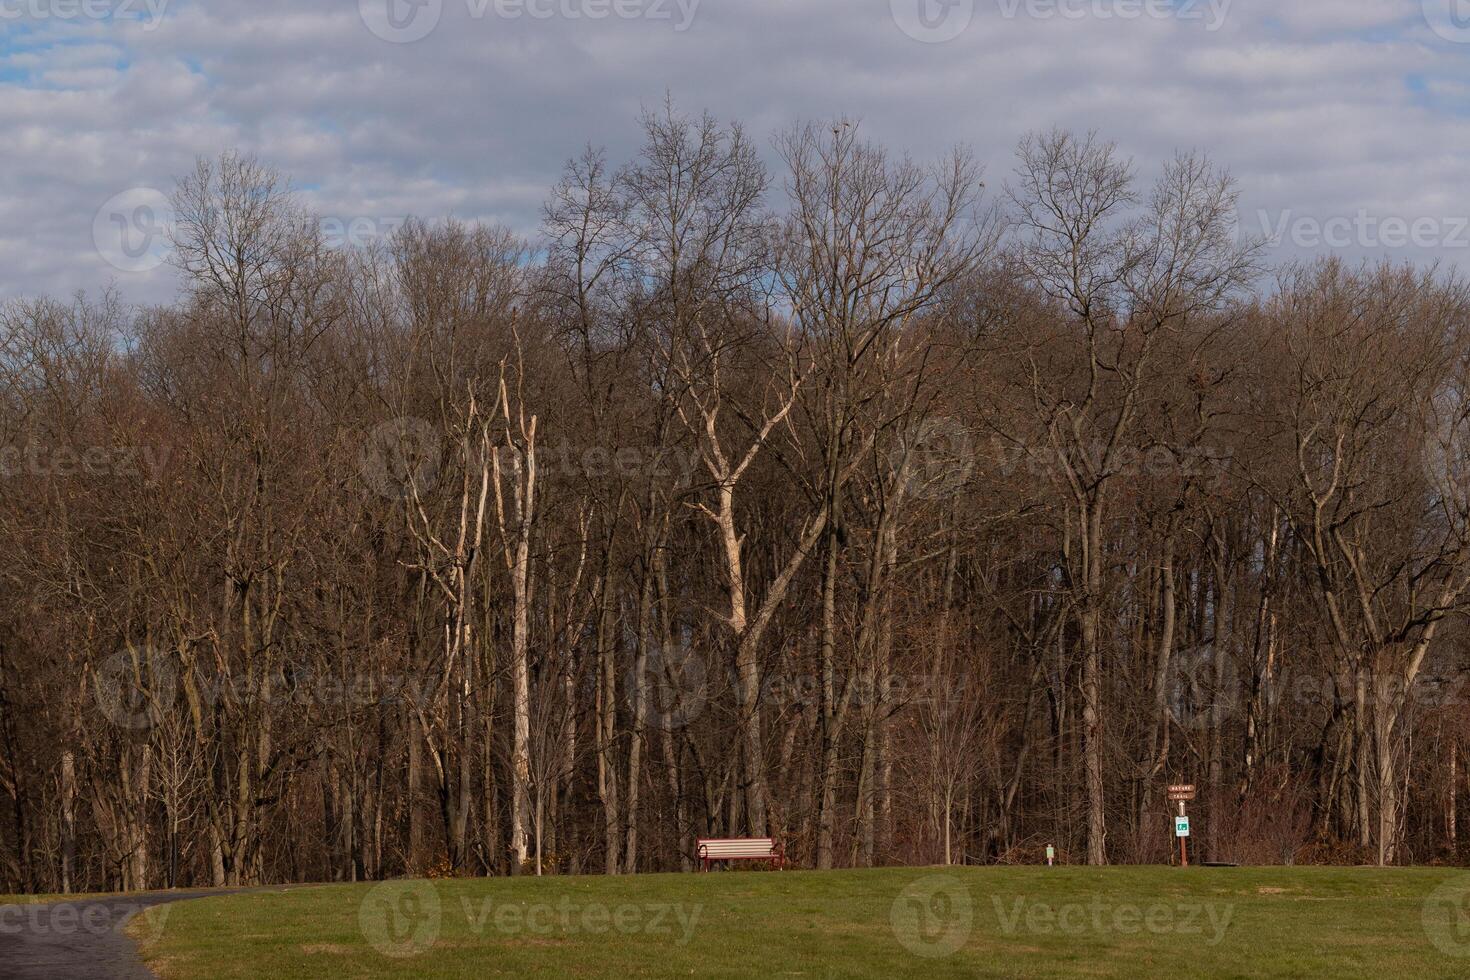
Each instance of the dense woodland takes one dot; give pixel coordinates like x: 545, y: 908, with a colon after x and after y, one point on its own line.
x: 904, y: 513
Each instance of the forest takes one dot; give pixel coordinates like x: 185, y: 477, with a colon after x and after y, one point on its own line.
x: 776, y: 486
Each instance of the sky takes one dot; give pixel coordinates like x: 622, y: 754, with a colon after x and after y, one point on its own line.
x: 1346, y: 122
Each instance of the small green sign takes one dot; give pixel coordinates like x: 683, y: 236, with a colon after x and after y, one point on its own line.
x: 1181, y: 826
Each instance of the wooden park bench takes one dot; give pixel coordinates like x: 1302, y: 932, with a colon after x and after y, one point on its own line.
x: 740, y: 849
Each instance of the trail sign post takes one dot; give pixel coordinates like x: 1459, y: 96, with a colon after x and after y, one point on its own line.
x: 1181, y: 793
x: 1051, y: 855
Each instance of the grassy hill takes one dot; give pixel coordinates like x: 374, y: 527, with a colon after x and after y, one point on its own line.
x: 956, y: 922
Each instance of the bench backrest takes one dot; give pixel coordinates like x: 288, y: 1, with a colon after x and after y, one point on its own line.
x: 753, y: 847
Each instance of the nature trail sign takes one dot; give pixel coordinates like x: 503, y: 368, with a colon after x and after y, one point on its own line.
x: 1181, y: 793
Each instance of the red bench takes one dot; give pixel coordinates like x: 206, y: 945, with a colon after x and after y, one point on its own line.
x: 740, y: 849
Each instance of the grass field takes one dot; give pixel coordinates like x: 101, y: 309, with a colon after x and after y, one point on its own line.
x: 957, y: 922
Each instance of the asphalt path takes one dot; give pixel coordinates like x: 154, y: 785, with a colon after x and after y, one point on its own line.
x: 81, y: 938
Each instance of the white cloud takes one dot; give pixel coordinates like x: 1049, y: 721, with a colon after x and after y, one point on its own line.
x: 1309, y: 102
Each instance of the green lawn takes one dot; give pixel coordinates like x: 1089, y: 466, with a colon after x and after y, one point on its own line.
x: 957, y: 922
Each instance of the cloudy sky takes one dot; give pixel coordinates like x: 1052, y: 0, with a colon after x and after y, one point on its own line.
x: 1347, y: 122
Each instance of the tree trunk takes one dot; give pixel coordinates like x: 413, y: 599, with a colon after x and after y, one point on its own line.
x: 829, y: 720
x: 68, y: 819
x: 1092, y: 721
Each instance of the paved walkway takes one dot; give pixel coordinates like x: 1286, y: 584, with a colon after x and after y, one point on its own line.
x: 80, y: 939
